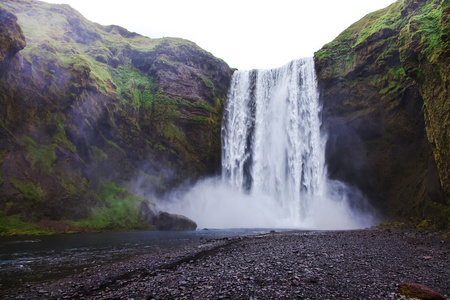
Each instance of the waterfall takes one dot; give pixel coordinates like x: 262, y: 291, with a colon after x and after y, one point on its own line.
x: 273, y: 159
x: 271, y: 140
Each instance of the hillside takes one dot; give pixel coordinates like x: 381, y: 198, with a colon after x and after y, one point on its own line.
x: 95, y: 118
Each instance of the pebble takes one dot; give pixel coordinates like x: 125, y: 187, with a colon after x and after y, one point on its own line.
x: 358, y: 264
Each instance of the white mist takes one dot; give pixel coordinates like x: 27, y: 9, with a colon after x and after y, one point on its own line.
x: 273, y: 159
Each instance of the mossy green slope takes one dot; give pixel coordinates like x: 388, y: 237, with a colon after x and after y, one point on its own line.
x: 83, y: 105
x: 425, y: 54
x: 376, y: 83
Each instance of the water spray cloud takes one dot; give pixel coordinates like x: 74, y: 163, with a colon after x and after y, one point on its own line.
x: 273, y: 160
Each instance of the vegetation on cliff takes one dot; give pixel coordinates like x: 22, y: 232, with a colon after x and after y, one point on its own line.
x: 384, y: 85
x: 95, y: 120
x: 425, y: 54
x: 84, y: 106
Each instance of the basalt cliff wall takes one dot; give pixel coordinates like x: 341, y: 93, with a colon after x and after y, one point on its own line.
x: 384, y: 83
x: 93, y: 119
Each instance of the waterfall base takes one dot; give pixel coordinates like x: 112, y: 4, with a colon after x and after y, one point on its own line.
x: 213, y: 203
x: 273, y: 160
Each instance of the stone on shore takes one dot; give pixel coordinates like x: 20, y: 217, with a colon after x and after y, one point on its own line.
x: 166, y: 221
x: 418, y: 291
x: 163, y: 220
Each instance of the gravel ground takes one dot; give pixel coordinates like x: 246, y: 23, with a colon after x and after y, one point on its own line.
x: 360, y: 264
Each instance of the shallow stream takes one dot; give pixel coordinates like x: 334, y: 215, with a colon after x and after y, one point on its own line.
x: 38, y: 259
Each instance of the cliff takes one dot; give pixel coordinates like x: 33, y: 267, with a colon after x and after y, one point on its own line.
x: 95, y: 118
x: 384, y: 87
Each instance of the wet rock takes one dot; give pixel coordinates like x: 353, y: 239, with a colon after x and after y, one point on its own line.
x: 373, y: 261
x: 418, y: 291
x: 12, y: 39
x: 370, y: 110
x: 146, y: 214
x: 163, y: 220
x: 167, y: 221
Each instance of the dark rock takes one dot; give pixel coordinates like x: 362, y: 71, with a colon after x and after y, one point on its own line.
x: 366, y: 264
x: 429, y: 66
x: 146, y: 214
x: 86, y: 105
x: 373, y: 112
x: 163, y: 220
x: 418, y: 291
x: 167, y: 221
x: 12, y: 39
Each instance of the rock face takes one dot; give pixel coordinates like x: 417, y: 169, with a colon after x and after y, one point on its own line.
x: 12, y: 39
x: 384, y: 87
x: 84, y: 106
x: 425, y: 55
x: 162, y: 220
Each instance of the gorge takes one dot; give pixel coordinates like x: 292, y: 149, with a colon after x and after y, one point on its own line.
x: 273, y: 160
x: 99, y: 124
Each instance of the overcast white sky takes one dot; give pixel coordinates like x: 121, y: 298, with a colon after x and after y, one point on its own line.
x: 247, y: 34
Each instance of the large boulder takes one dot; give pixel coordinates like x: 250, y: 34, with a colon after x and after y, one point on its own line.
x: 161, y: 220
x: 167, y: 221
x: 418, y: 291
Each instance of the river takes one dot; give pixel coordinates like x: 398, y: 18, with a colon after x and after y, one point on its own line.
x: 36, y: 259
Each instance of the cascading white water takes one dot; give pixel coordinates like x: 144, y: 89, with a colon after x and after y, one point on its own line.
x: 273, y: 159
x: 271, y: 141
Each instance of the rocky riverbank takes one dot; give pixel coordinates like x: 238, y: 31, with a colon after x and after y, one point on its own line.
x: 359, y: 264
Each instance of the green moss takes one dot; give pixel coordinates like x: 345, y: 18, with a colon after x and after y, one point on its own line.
x: 115, y: 146
x: 165, y: 108
x: 85, y: 72
x: 60, y: 138
x: 160, y: 147
x: 427, y: 27
x: 339, y: 52
x: 394, y: 53
x: 42, y: 155
x: 392, y: 88
x: 426, y: 225
x: 424, y: 53
x: 134, y: 87
x: 397, y: 72
x: 203, y: 105
x: 120, y: 211
x: 14, y: 225
x: 387, y: 18
x: 30, y: 191
x: 209, y: 84
x: 97, y: 154
x: 98, y: 220
x: 200, y: 119
x: 171, y: 132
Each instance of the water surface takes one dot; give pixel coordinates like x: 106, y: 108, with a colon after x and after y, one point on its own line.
x: 37, y: 259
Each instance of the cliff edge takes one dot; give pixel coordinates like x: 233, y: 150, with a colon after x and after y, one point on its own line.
x: 384, y: 87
